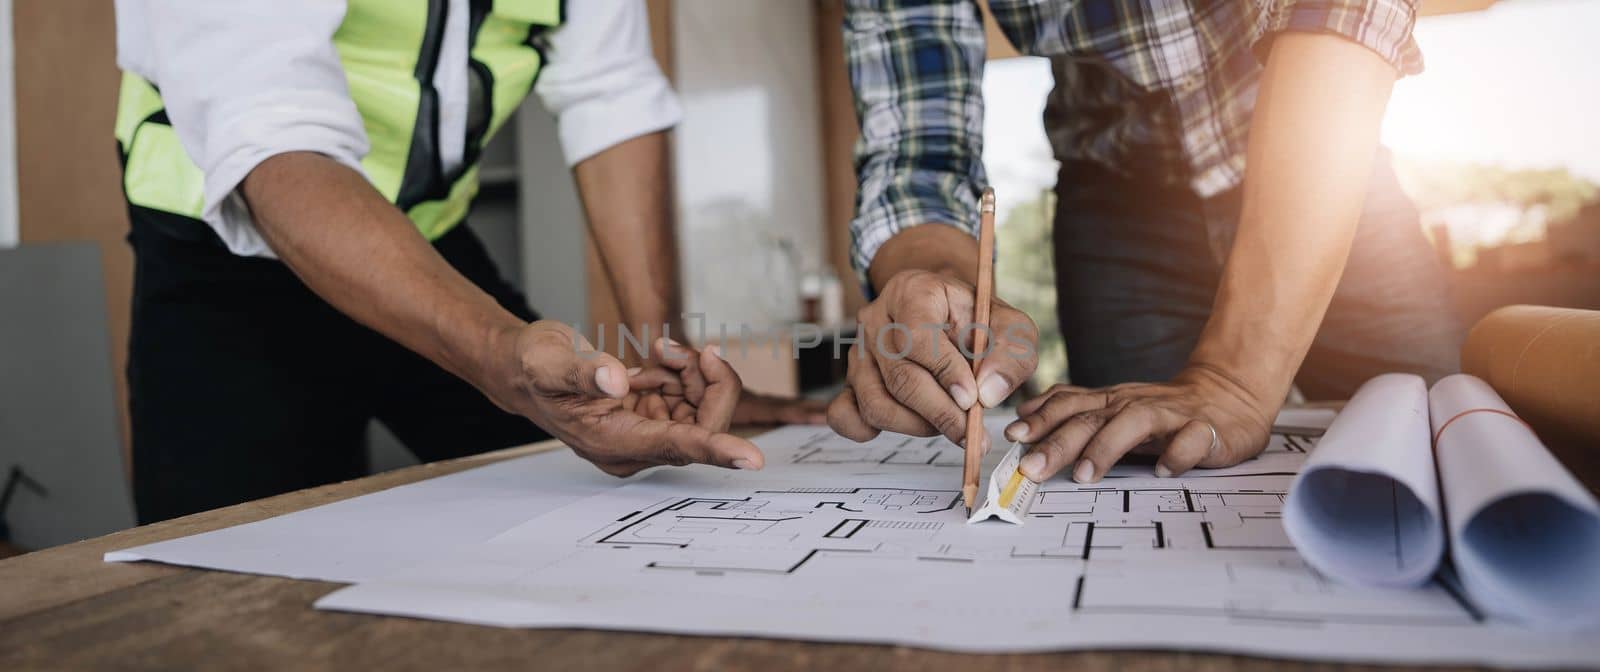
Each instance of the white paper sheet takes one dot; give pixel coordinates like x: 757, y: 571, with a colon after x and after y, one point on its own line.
x: 1525, y: 534
x: 840, y: 542
x: 818, y: 450
x: 373, y: 535
x: 1365, y: 509
x: 367, y: 537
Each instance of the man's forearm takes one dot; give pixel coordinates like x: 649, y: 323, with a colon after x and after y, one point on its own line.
x: 1311, y: 147
x: 625, y: 194
x: 363, y: 256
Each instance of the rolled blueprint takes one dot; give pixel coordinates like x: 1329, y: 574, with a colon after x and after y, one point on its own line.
x: 1545, y: 362
x: 1524, y: 534
x: 1365, y: 507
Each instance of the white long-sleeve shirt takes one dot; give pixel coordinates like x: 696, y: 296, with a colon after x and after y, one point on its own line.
x: 249, y: 79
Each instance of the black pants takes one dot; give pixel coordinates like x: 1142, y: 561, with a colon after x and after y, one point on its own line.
x: 1137, y: 268
x: 243, y: 384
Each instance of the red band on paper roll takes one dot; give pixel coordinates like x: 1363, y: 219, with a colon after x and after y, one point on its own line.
x: 1470, y: 411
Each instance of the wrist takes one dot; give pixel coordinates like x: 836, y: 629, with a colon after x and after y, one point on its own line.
x: 1255, y: 340
x: 937, y: 248
x: 1262, y: 397
x: 487, y: 354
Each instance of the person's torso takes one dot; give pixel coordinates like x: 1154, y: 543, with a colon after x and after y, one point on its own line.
x: 1095, y: 114
x: 1158, y: 91
x: 433, y: 81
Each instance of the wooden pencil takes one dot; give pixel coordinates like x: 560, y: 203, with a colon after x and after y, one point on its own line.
x: 980, y: 343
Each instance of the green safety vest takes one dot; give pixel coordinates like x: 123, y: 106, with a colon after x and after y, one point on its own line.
x: 390, y: 50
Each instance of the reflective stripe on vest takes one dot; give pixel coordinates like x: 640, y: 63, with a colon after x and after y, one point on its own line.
x: 390, y: 51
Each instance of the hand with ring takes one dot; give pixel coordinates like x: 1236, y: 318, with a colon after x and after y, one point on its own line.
x: 1199, y: 418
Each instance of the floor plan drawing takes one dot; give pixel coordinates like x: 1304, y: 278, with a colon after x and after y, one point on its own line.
x: 846, y: 542
x: 1203, y: 547
x: 910, y: 450
x: 821, y: 447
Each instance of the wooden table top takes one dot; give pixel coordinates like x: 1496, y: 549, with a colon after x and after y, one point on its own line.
x: 63, y: 608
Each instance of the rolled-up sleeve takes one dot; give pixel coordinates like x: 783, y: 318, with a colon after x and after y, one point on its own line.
x: 243, y: 81
x: 603, y: 82
x: 916, y: 69
x: 1384, y: 26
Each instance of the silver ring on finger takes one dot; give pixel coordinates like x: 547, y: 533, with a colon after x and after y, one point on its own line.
x: 1216, y: 441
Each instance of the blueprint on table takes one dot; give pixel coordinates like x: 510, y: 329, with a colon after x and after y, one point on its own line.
x: 868, y: 542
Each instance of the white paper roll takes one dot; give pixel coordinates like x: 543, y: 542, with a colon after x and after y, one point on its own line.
x: 1524, y: 533
x: 1365, y: 508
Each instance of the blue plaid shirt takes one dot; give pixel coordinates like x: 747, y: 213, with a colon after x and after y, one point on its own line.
x: 917, y: 69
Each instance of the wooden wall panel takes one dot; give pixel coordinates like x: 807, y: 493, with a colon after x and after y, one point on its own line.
x: 68, y: 180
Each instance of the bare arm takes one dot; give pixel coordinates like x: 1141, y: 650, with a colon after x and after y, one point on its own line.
x: 364, y: 257
x: 1310, y: 159
x: 624, y: 193
x: 1310, y: 154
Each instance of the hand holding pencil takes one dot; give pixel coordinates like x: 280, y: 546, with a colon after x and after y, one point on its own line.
x: 909, y: 376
